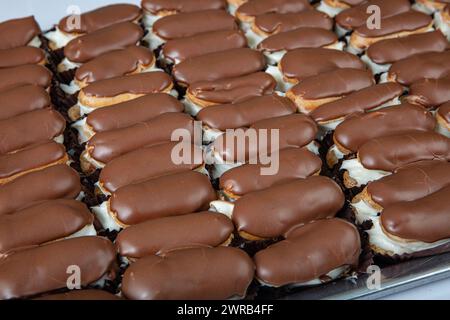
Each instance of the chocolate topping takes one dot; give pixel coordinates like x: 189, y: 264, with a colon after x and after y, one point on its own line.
x: 444, y: 112
x: 24, y: 75
x: 42, y: 223
x: 219, y: 65
x: 106, y: 146
x: 426, y: 219
x: 166, y: 234
x: 273, y: 23
x: 22, y: 100
x: 392, y: 50
x: 177, y: 6
x: 362, y: 127
x: 22, y: 131
x: 294, y: 163
x: 410, y: 183
x: 18, y: 32
x: 31, y: 158
x: 234, y: 90
x: 115, y: 64
x: 188, y: 24
x: 42, y: 269
x: 141, y: 83
x: 407, y: 21
x: 100, y: 18
x: 339, y: 82
x: 359, y: 101
x: 198, y: 273
x: 355, y: 17
x: 178, y: 50
x: 244, y: 114
x: 298, y: 38
x: 92, y: 45
x: 128, y: 113
x: 143, y: 164
x: 392, y: 152
x: 255, y: 8
x: 430, y: 92
x: 272, y: 212
x: 309, y: 253
x: 303, y: 63
x: 165, y: 196
x: 20, y: 56
x: 81, y: 295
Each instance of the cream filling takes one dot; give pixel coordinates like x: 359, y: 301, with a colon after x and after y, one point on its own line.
x: 35, y: 42
x: 97, y: 164
x: 375, y: 67
x: 329, y: 10
x: 282, y: 85
x: 67, y: 65
x: 384, y: 77
x: 442, y: 130
x: 59, y: 39
x: 364, y: 211
x: 232, y: 9
x: 340, y: 31
x: 104, y: 217
x: 85, y: 133
x: 149, y: 19
x: 442, y: 25
x: 336, y: 152
x: 59, y: 139
x: 422, y: 7
x: 361, y: 175
x: 253, y: 39
x: 224, y: 207
x: 87, y: 231
x: 154, y: 41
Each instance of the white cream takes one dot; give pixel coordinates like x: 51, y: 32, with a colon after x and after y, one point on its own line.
x: 154, y: 41
x: 105, y: 219
x: 329, y: 10
x: 67, y: 65
x: 59, y: 39
x: 340, y: 31
x: 442, y: 25
x: 190, y: 107
x: 336, y: 152
x: 59, y: 139
x: 87, y: 157
x: 35, y: 42
x: 87, y: 231
x: 224, y: 207
x: 253, y: 38
x: 282, y: 85
x: 84, y: 131
x: 232, y: 9
x: 149, y: 19
x: 443, y: 130
x: 361, y: 175
x: 422, y: 7
x: 375, y: 67
x: 364, y: 211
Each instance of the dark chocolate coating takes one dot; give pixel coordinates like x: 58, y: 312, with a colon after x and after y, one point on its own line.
x: 430, y: 92
x: 274, y: 23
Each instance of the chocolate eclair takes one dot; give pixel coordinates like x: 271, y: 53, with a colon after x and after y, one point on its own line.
x: 29, y: 74
x: 105, y: 93
x: 126, y: 114
x: 163, y: 196
x: 85, y: 48
x: 22, y: 55
x: 430, y: 93
x: 81, y: 295
x: 74, y: 26
x: 443, y: 119
x: 381, y: 156
x: 270, y: 213
x: 251, y: 9
x: 19, y: 33
x: 205, y: 94
x: 220, y: 273
x: 23, y: 99
x: 334, y: 7
x: 156, y: 236
x: 442, y: 21
x: 45, y: 222
x: 381, y: 55
x: 327, y: 87
x: 47, y: 268
x: 307, y: 253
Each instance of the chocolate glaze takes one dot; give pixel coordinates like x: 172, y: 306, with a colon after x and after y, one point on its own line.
x: 141, y: 83
x: 444, y: 112
x: 362, y: 127
x: 52, y: 183
x: 274, y: 23
x: 106, y: 146
x: 421, y: 66
x: 31, y: 158
x: 20, y: 56
x: 307, y: 62
x: 339, y: 82
x: 101, y: 18
x: 355, y: 17
x: 392, y: 50
x: 406, y: 21
x: 42, y: 269
x: 298, y: 38
x: 24, y: 75
x: 22, y: 100
x: 143, y: 164
x: 42, y: 223
x: 309, y: 253
x: 188, y: 24
x: 178, y: 6
x: 430, y: 92
x: 272, y: 212
x: 18, y: 32
x: 92, y: 45
x: 81, y: 295
x: 234, y: 90
x: 359, y: 101
x: 115, y: 63
x: 386, y: 154
x: 166, y: 234
x: 426, y: 219
x: 22, y: 130
x: 128, y: 113
x: 254, y: 8
x: 178, y: 50
x: 410, y: 182
x: 219, y: 65
x: 294, y: 163
x: 197, y: 273
x: 165, y: 196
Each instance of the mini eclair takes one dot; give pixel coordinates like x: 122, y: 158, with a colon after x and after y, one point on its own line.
x: 251, y: 9
x: 30, y: 74
x: 19, y: 33
x: 443, y: 119
x: 22, y: 55
x: 430, y: 93
x: 23, y: 99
